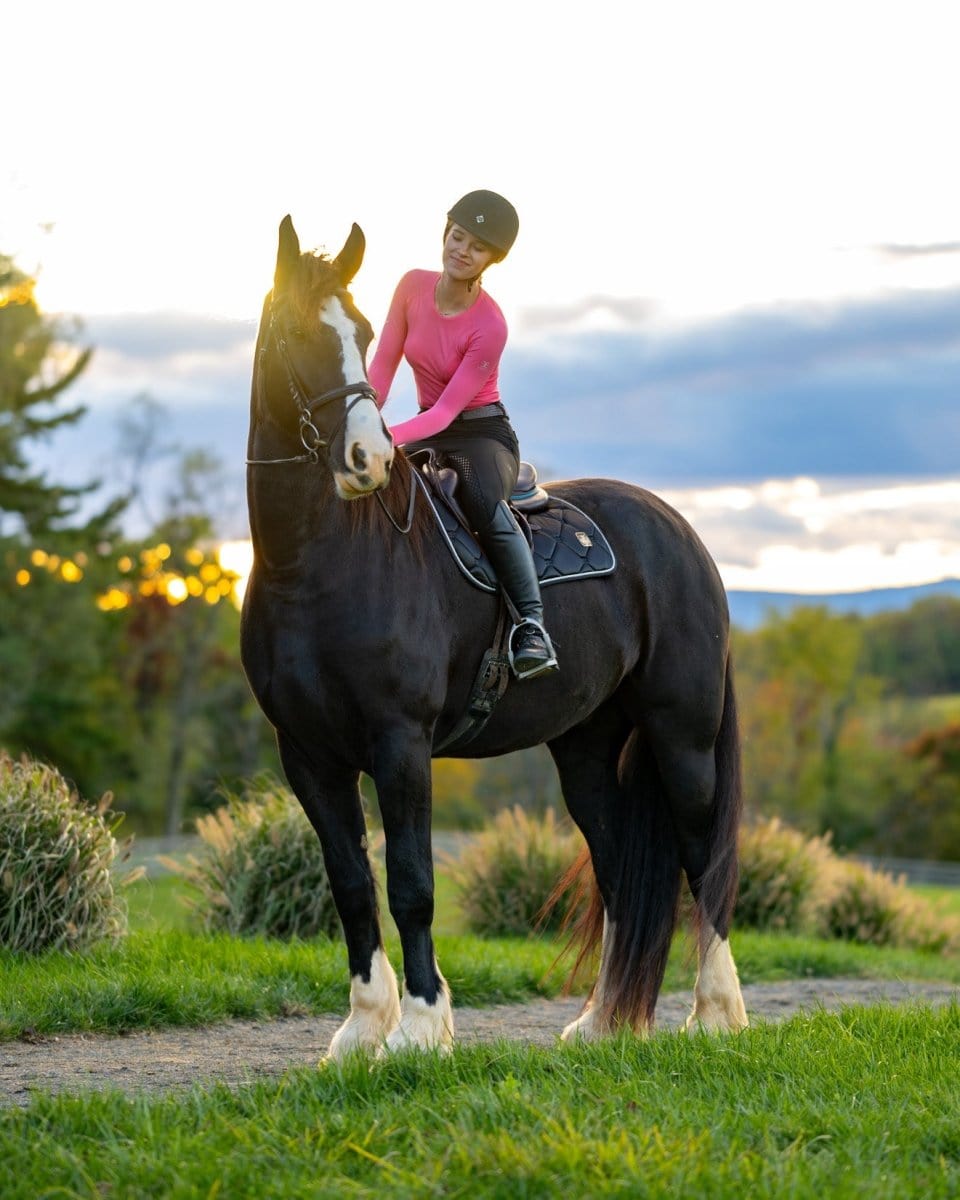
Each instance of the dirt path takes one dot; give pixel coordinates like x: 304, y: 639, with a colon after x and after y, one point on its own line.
x: 240, y: 1051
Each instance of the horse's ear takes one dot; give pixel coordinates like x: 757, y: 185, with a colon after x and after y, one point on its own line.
x: 347, y: 262
x: 288, y: 254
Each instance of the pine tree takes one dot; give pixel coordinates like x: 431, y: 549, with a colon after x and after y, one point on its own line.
x: 38, y: 362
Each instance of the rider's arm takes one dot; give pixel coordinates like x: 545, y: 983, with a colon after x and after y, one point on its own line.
x: 389, y: 350
x: 476, y: 371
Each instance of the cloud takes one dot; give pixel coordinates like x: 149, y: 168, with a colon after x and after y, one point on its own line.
x: 856, y: 400
x: 924, y: 250
x: 809, y: 536
x: 628, y: 310
x: 156, y: 337
x: 859, y: 389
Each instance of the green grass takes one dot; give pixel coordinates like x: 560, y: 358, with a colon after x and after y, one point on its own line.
x: 864, y: 1103
x: 164, y: 974
x: 944, y: 899
x: 165, y: 978
x: 162, y: 977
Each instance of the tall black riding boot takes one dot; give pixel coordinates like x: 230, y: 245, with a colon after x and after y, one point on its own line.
x: 531, y: 651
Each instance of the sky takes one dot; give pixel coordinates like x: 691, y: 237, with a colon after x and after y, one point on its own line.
x: 737, y: 280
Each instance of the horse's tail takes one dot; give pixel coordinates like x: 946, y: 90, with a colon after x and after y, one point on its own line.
x: 717, y: 890
x: 646, y: 893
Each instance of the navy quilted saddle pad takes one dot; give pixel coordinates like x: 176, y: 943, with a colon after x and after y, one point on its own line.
x: 567, y: 544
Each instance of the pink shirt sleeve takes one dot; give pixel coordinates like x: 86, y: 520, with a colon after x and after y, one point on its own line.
x: 389, y: 350
x: 474, y: 372
x: 455, y: 360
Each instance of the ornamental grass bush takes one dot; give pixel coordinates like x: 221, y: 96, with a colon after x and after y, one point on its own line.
x: 798, y: 884
x: 783, y: 875
x: 872, y: 907
x: 57, y: 887
x: 505, y: 875
x: 865, y: 905
x: 260, y: 871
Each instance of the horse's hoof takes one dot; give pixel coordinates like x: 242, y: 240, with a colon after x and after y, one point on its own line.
x: 585, y: 1028
x: 401, y: 1041
x: 716, y: 1019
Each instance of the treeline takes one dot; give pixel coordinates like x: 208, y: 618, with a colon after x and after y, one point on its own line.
x: 852, y: 725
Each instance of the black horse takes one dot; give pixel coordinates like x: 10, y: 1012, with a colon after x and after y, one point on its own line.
x: 361, y: 639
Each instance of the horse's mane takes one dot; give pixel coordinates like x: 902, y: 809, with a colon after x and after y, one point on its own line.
x: 370, y: 515
x: 315, y: 279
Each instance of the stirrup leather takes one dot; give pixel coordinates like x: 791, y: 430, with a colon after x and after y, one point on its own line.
x: 541, y: 668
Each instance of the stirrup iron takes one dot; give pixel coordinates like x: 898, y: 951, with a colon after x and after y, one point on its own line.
x: 541, y: 668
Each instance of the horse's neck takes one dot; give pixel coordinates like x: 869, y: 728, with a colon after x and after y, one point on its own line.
x: 294, y: 514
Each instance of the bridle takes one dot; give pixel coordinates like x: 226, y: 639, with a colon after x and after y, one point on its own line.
x: 310, y: 437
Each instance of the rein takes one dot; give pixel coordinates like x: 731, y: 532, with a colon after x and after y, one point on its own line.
x: 310, y: 437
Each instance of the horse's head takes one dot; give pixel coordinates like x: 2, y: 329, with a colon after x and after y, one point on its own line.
x: 314, y: 397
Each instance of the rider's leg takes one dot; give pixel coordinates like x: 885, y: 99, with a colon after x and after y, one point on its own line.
x: 507, y: 547
x: 487, y: 474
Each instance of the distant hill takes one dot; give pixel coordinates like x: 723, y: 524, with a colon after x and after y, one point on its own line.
x: 749, y: 609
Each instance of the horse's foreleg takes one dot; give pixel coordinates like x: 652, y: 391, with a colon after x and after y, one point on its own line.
x: 332, y: 802
x: 593, y: 1023
x: 404, y: 789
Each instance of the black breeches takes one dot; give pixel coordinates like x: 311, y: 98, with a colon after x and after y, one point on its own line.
x: 486, y: 462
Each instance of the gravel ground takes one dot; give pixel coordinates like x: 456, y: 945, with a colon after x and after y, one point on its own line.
x: 239, y: 1052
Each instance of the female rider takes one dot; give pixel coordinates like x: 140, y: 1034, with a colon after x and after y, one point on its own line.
x: 452, y: 333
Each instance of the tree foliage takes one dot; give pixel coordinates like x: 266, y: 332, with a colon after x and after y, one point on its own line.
x: 38, y: 363
x: 840, y: 733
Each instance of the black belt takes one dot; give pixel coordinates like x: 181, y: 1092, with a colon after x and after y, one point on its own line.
x: 485, y: 410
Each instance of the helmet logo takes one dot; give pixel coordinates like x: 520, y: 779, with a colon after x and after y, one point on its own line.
x: 480, y: 218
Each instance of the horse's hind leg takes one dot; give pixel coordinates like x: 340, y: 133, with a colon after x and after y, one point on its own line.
x: 586, y: 758
x: 332, y: 802
x: 701, y: 782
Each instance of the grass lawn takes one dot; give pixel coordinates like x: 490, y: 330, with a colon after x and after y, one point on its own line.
x: 864, y: 1103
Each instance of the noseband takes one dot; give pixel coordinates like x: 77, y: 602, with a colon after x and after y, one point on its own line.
x: 306, y: 405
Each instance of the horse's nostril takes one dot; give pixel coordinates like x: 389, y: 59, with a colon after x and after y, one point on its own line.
x: 358, y: 457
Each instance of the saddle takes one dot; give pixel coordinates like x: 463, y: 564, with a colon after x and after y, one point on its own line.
x: 565, y: 542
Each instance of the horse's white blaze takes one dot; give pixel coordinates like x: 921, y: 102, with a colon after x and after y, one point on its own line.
x: 717, y: 1000
x: 368, y: 448
x: 374, y: 1009
x: 589, y: 1026
x: 424, y: 1026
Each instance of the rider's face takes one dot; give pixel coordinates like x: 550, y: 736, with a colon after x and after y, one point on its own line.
x: 464, y: 256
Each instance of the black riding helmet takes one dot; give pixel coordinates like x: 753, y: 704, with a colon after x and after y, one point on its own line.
x: 489, y: 217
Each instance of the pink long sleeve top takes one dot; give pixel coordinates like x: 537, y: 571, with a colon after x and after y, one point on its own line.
x: 455, y: 360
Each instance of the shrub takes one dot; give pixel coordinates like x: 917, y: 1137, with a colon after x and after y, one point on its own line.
x: 798, y: 884
x: 870, y: 906
x: 261, y: 869
x: 865, y: 906
x: 783, y: 876
x: 57, y: 890
x: 504, y: 877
